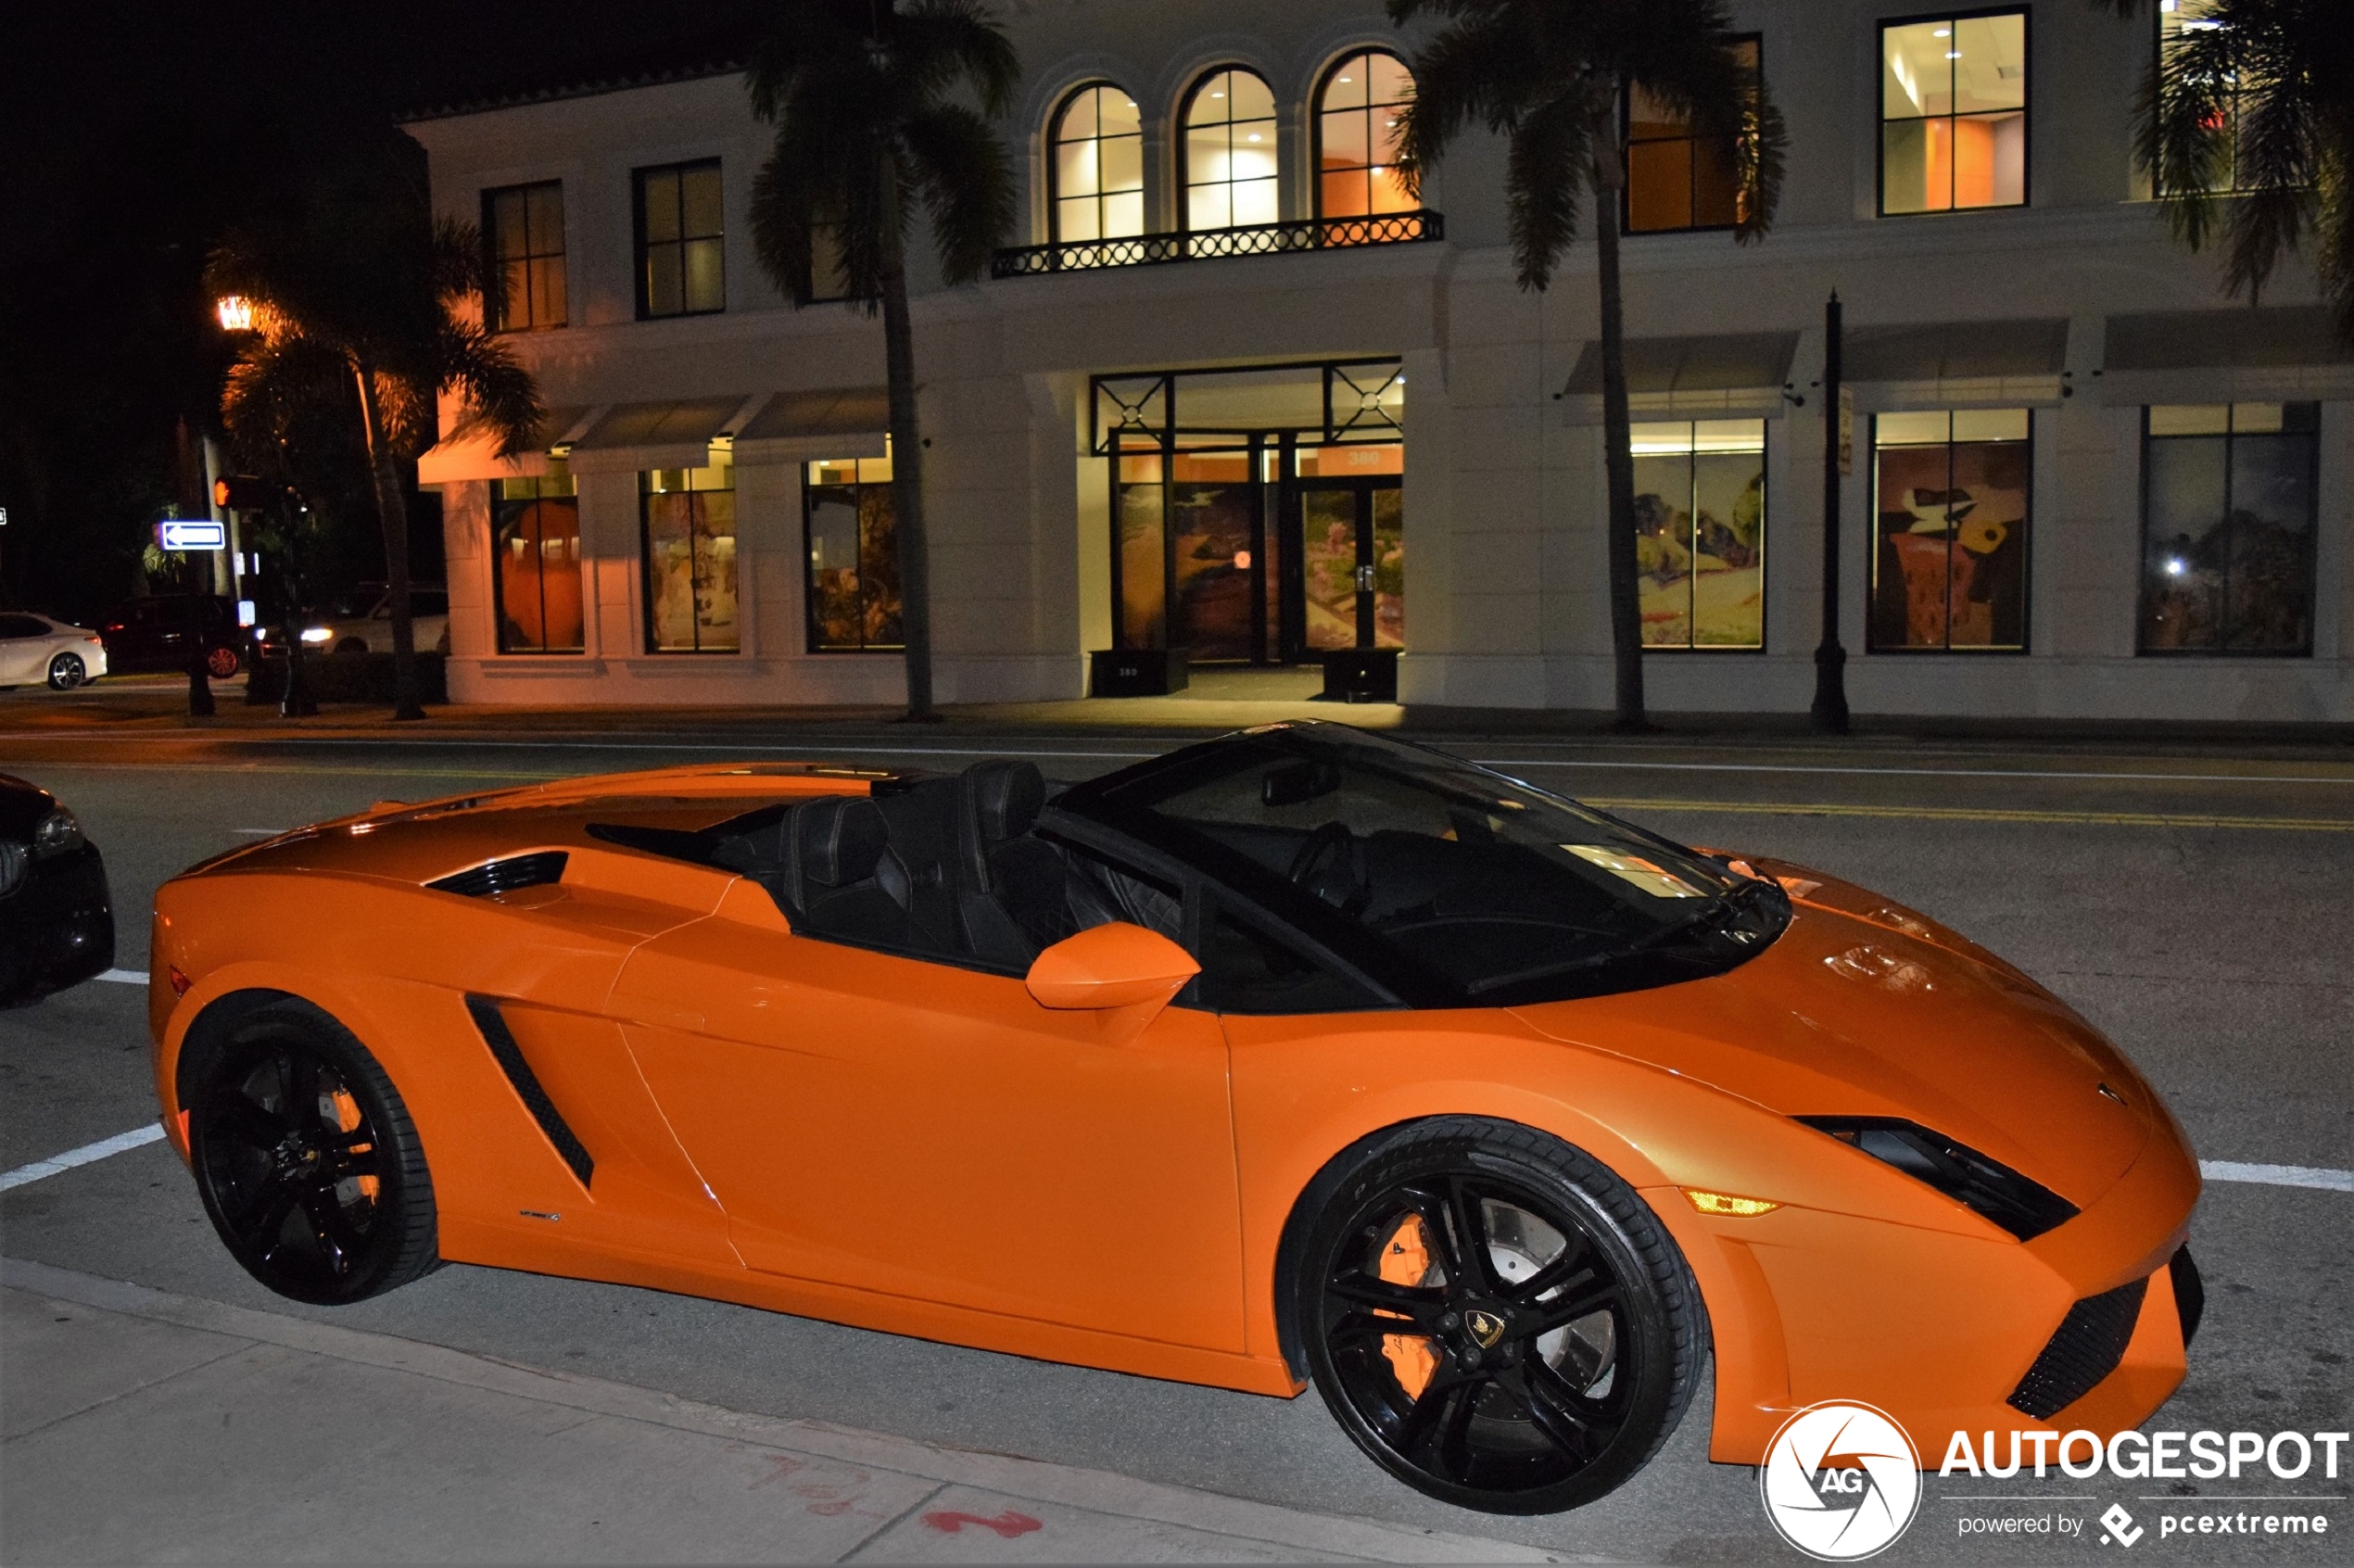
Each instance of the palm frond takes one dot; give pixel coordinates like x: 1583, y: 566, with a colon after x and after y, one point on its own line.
x: 967, y: 178
x: 1550, y: 152
x: 942, y: 44
x: 1479, y: 73
x: 497, y: 395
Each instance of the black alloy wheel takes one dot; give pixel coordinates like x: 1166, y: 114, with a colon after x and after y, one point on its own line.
x: 1496, y: 1318
x: 306, y: 1158
x: 67, y: 671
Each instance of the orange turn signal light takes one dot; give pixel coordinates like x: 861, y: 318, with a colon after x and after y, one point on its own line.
x: 180, y: 980
x: 1728, y: 1204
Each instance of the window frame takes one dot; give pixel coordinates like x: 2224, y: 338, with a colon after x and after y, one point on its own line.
x: 810, y: 491
x: 1053, y: 166
x: 1872, y: 645
x: 2158, y: 63
x: 1627, y: 153
x: 646, y: 577
x: 495, y: 264
x: 1880, y: 121
x: 639, y: 244
x: 1182, y: 138
x: 2312, y: 538
x: 1315, y: 117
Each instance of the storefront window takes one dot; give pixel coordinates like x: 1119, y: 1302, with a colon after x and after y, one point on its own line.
x: 690, y: 522
x: 1229, y: 152
x: 1676, y: 179
x: 1949, y: 559
x: 1699, y: 532
x: 1953, y: 113
x: 1357, y: 124
x: 523, y: 229
x: 854, y: 556
x: 1099, y: 167
x: 2228, y: 507
x: 534, y: 580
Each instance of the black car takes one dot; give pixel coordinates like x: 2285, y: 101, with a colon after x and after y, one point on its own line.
x: 156, y: 634
x: 57, y: 922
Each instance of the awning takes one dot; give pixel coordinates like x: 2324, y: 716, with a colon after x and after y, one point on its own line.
x: 841, y: 422
x: 1956, y: 364
x: 636, y: 437
x: 1732, y: 373
x: 2278, y: 354
x: 454, y: 460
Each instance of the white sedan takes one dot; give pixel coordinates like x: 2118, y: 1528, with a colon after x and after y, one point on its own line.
x: 36, y: 647
x: 371, y: 633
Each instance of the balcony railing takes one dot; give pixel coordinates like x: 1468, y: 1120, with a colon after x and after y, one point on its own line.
x: 1257, y: 239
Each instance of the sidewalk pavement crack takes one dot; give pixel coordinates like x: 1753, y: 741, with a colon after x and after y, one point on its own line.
x: 888, y: 1526
x: 237, y: 1350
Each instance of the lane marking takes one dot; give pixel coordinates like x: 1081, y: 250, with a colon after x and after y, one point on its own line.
x: 1974, y: 813
x: 125, y: 977
x: 57, y: 1165
x: 1931, y: 772
x: 258, y: 832
x: 2278, y: 1175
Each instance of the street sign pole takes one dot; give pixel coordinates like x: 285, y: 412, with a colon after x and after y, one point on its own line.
x: 1829, y: 710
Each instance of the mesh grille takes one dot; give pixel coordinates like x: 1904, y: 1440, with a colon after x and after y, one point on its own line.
x: 505, y: 876
x: 2085, y: 1348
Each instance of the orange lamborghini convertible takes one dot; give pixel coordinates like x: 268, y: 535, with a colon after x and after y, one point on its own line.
x: 1299, y: 1055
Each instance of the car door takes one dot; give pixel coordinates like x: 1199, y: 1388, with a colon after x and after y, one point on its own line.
x: 908, y: 1126
x: 21, y: 647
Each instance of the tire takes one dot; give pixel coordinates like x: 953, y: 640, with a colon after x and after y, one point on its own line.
x: 1553, y: 1360
x: 221, y: 662
x: 306, y: 1158
x: 67, y: 671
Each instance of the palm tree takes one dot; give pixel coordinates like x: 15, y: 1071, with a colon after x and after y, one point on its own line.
x: 1551, y: 79
x: 861, y: 94
x: 2245, y: 128
x: 354, y: 282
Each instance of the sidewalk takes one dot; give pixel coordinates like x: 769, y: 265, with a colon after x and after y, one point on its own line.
x: 140, y: 1426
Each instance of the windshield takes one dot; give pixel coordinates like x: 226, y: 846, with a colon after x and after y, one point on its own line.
x: 1450, y: 884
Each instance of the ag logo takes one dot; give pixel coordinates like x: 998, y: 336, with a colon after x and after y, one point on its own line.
x: 1841, y: 1481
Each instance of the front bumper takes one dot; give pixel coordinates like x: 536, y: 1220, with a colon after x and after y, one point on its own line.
x: 56, y: 928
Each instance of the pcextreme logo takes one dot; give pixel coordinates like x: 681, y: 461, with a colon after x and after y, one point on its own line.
x: 1841, y: 1481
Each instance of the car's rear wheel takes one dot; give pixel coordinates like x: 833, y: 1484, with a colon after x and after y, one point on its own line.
x: 1496, y: 1318
x: 221, y: 662
x: 306, y: 1158
x: 67, y: 671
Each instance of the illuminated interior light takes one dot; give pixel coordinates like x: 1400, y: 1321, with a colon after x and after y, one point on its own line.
x: 1942, y: 32
x: 1728, y: 1204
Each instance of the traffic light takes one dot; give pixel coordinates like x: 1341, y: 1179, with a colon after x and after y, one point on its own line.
x: 242, y: 493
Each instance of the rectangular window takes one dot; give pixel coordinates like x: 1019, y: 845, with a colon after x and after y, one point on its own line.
x: 1699, y: 532
x: 1949, y: 555
x: 1953, y: 113
x: 854, y: 556
x: 523, y: 231
x: 680, y: 271
x: 534, y: 580
x: 2228, y: 510
x: 1676, y: 179
x: 2182, y: 22
x: 689, y: 518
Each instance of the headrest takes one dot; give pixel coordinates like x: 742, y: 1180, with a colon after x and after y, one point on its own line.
x: 841, y: 840
x: 1006, y: 797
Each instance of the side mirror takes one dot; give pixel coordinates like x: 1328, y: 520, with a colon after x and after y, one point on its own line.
x: 1116, y: 969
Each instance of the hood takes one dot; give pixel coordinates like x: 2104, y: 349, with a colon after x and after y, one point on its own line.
x: 1891, y: 1016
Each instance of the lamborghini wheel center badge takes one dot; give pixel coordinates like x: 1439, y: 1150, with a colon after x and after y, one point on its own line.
x: 1486, y: 1328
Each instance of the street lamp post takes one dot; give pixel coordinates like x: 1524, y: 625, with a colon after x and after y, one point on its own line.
x: 1829, y: 710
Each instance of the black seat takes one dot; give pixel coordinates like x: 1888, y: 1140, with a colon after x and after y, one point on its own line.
x: 1013, y: 888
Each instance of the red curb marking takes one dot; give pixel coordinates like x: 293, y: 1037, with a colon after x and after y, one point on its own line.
x: 1008, y: 1524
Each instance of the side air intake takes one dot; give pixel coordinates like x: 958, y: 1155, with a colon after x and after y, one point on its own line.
x: 510, y: 1057
x: 2085, y: 1348
x: 505, y: 876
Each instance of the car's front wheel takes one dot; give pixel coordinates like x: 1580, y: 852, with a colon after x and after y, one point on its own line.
x: 221, y: 661
x: 67, y: 671
x: 1496, y: 1318
x: 306, y: 1158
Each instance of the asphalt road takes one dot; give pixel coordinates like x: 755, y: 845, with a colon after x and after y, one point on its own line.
x: 2191, y: 902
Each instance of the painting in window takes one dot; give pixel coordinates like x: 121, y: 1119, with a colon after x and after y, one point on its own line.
x: 1098, y: 171
x: 854, y: 556
x: 2228, y: 511
x: 534, y: 580
x: 1229, y: 152
x: 1359, y: 121
x: 1699, y: 532
x: 1677, y: 179
x: 689, y: 541
x: 1953, y: 113
x: 1949, y: 557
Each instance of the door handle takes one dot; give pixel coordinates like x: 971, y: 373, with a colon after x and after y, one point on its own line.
x: 1364, y: 579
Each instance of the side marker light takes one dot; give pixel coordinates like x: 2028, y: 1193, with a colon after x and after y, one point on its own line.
x: 1728, y: 1204
x: 180, y: 980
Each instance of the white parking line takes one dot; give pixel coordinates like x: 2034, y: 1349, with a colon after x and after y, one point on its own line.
x: 2277, y: 1175
x: 125, y: 977
x: 87, y: 1153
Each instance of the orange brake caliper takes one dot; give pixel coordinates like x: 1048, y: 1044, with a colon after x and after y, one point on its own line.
x: 347, y: 1120
x: 1405, y: 1261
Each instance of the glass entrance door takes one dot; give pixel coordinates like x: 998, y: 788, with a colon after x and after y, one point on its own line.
x: 1351, y: 548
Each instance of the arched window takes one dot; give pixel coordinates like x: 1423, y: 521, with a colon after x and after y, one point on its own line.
x: 1358, y: 118
x: 1229, y: 152
x: 1098, y: 169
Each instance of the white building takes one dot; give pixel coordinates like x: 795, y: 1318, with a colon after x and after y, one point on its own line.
x: 2084, y: 484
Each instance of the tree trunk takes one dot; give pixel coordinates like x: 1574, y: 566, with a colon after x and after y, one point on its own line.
x: 392, y: 509
x: 907, y: 490
x: 1618, y: 460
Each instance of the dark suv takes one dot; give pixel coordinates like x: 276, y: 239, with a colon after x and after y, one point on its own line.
x: 156, y: 634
